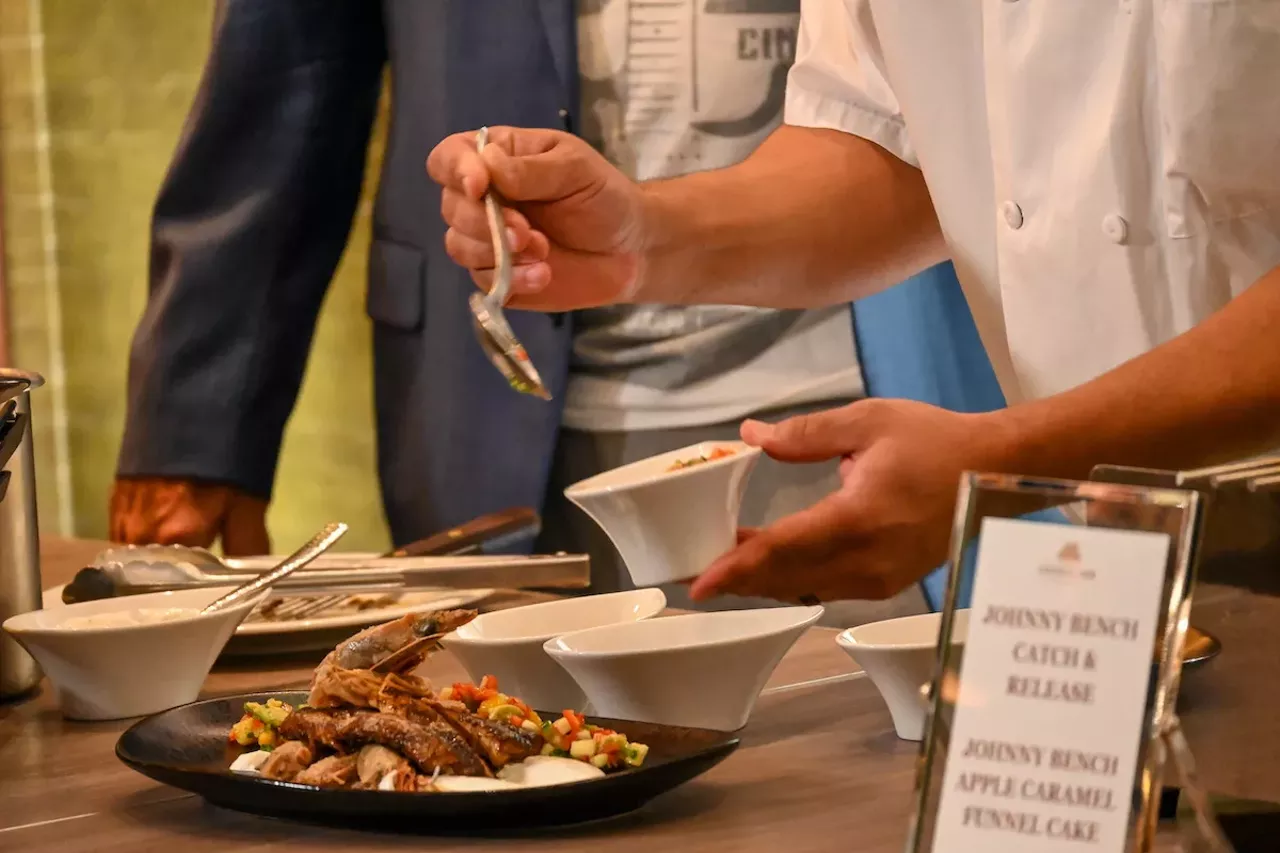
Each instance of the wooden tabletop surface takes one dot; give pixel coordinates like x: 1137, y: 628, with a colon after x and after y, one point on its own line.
x: 819, y: 769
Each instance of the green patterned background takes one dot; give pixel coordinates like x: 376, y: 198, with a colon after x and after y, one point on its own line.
x: 92, y: 97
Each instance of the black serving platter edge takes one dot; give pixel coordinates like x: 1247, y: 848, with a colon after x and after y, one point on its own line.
x: 187, y: 748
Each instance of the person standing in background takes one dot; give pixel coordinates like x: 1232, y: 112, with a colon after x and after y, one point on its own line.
x: 668, y: 89
x: 254, y: 214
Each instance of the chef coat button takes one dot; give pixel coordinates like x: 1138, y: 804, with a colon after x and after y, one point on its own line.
x: 1115, y: 228
x: 1012, y: 215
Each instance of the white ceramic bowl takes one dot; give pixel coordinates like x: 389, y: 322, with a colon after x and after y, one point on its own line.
x: 669, y: 525
x: 704, y: 670
x: 899, y: 656
x: 507, y: 644
x: 114, y: 673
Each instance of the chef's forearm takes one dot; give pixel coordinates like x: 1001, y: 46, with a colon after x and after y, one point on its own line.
x: 1210, y: 395
x: 813, y: 218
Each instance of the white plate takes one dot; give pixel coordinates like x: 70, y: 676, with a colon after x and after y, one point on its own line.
x: 293, y: 632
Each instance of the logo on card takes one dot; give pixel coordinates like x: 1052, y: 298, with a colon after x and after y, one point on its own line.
x: 1067, y: 565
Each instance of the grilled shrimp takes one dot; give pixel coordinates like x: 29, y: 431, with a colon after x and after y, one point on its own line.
x: 373, y: 644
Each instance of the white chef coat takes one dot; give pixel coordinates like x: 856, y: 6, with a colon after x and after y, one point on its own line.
x: 1106, y: 172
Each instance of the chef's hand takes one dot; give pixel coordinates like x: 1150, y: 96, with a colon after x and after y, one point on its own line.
x: 574, y: 220
x: 887, y: 525
x: 154, y: 510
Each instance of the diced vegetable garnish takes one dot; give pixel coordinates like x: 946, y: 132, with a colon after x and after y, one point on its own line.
x: 634, y: 754
x: 259, y: 723
x: 583, y: 749
x: 567, y: 736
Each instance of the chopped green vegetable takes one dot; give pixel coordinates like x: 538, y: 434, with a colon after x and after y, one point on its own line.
x: 583, y: 748
x: 273, y: 713
x: 634, y: 754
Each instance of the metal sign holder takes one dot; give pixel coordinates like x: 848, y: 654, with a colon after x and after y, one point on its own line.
x: 1174, y: 512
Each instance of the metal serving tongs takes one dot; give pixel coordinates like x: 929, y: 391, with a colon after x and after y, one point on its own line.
x: 318, y: 544
x: 497, y: 339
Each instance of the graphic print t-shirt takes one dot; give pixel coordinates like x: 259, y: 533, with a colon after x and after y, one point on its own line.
x: 671, y: 87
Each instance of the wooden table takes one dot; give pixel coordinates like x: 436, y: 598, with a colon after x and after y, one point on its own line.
x: 819, y: 768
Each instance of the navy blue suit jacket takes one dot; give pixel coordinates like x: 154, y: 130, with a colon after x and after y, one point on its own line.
x: 254, y: 214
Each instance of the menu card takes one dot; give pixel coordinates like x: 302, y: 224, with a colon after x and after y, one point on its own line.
x: 1053, y: 686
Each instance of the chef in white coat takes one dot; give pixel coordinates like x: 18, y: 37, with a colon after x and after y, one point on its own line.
x: 1105, y: 175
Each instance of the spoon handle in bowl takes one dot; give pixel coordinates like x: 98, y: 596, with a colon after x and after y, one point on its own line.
x: 319, y: 543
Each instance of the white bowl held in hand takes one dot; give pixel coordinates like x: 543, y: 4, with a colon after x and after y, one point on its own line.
x: 129, y: 656
x: 669, y: 525
x: 899, y: 655
x: 703, y: 670
x: 507, y: 644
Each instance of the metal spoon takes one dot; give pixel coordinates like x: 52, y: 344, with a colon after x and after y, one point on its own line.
x: 319, y: 543
x: 496, y: 338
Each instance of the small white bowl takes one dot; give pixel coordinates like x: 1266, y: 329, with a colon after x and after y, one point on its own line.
x: 899, y: 656
x: 669, y: 525
x: 507, y: 644
x: 704, y: 670
x: 130, y: 671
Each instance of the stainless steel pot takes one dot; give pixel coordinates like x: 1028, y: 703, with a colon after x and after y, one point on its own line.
x: 19, y: 529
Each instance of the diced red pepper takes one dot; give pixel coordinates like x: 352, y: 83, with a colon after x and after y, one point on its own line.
x: 576, y: 722
x: 489, y: 683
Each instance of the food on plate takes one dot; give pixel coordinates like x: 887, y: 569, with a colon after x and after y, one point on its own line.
x: 718, y: 453
x: 287, y: 762
x: 462, y: 784
x: 129, y: 618
x: 366, y: 730
x: 260, y: 723
x: 548, y: 770
x: 569, y: 736
x: 268, y: 611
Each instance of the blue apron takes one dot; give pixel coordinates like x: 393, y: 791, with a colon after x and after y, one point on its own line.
x: 917, y: 341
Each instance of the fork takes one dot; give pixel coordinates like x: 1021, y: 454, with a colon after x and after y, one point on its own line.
x: 297, y: 609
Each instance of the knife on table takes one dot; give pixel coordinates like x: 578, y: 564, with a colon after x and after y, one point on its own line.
x: 487, y: 532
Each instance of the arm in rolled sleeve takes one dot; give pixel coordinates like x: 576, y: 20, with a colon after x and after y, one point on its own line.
x: 793, y: 210
x: 248, y: 228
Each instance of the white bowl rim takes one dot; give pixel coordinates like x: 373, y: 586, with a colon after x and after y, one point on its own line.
x: 659, y: 602
x: 847, y: 638
x: 16, y: 626
x: 585, y: 489
x: 810, y: 615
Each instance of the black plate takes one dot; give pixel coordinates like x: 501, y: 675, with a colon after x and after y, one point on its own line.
x: 187, y: 748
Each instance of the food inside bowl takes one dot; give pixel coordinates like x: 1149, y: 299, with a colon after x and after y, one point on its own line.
x: 364, y: 730
x: 718, y: 453
x: 129, y: 618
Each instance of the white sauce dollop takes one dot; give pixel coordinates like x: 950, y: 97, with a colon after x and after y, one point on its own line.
x: 250, y: 763
x: 128, y: 618
x: 459, y: 784
x: 540, y: 770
